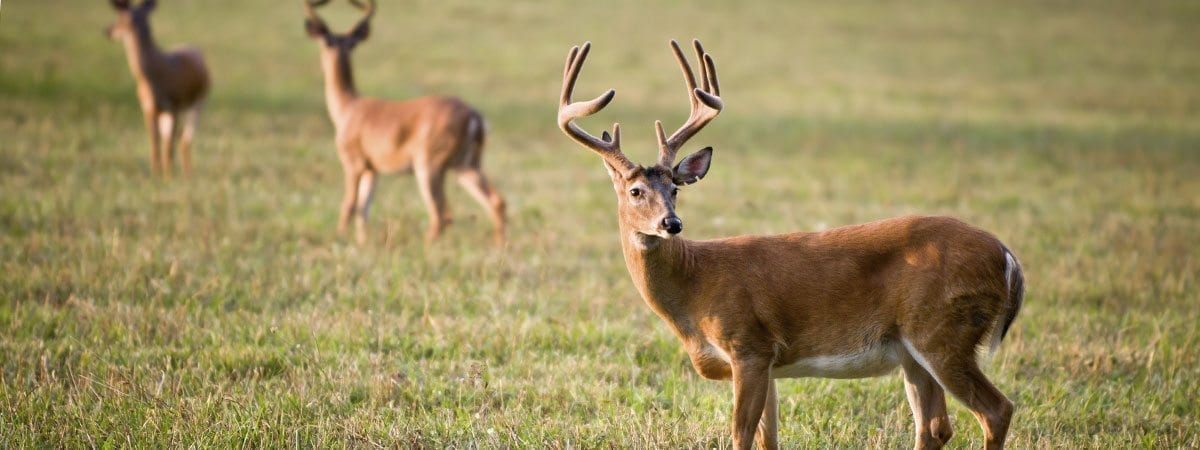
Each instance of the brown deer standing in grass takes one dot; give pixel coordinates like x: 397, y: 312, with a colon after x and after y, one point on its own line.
x: 171, y: 86
x: 921, y: 293
x: 428, y: 135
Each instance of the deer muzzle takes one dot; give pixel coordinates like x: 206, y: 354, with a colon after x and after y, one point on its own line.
x: 672, y: 224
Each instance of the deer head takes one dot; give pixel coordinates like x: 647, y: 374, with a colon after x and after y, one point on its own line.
x: 130, y: 19
x: 646, y: 195
x: 340, y: 44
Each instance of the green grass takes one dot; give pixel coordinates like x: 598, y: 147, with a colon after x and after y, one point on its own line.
x: 222, y: 311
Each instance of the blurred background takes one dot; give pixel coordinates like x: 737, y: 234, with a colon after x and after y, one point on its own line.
x: 222, y: 310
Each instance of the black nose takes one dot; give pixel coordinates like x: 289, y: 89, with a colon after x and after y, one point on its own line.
x: 673, y: 225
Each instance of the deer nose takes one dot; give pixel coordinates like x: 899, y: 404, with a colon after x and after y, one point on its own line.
x: 672, y: 224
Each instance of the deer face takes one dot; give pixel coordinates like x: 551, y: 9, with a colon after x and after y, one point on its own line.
x: 335, y: 44
x: 129, y: 18
x: 646, y: 196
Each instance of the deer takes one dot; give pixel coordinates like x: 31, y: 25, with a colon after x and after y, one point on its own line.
x: 922, y: 293
x: 171, y: 85
x: 428, y: 136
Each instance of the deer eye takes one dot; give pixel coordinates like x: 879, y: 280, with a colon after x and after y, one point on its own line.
x: 674, y: 192
x: 635, y: 192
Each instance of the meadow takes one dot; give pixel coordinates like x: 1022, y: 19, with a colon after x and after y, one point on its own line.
x: 222, y: 310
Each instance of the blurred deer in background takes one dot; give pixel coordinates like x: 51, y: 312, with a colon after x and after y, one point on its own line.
x: 171, y: 86
x: 920, y: 293
x: 428, y: 135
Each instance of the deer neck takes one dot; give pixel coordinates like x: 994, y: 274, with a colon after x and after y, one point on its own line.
x: 143, y: 54
x: 339, y: 83
x: 663, y: 271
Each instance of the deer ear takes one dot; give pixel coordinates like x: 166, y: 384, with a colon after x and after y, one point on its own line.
x: 612, y: 171
x: 361, y: 32
x: 315, y: 28
x: 693, y: 168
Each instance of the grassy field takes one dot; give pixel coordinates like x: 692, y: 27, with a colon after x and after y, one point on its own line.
x: 222, y: 310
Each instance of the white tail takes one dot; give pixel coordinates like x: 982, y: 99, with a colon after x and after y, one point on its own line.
x: 171, y: 86
x: 920, y: 293
x: 430, y: 136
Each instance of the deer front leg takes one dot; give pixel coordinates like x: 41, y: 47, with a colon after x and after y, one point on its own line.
x: 751, y: 386
x: 150, y: 116
x: 366, y: 190
x: 768, y: 426
x: 349, y: 198
x: 166, y: 135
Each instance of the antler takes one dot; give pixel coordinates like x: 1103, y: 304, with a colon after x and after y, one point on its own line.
x: 706, y: 103
x: 310, y: 4
x: 369, y: 9
x: 608, y: 147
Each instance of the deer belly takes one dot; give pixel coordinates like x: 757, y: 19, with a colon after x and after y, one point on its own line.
x: 871, y: 362
x: 391, y: 162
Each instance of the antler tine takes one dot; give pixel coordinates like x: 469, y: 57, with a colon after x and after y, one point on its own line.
x: 608, y: 147
x: 310, y: 4
x: 688, y: 78
x: 708, y: 70
x: 369, y: 8
x: 705, y: 102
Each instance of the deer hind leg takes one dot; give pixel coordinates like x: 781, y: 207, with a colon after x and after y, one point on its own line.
x: 990, y: 407
x: 476, y: 184
x: 928, y: 403
x: 185, y: 139
x: 366, y: 191
x: 768, y: 425
x: 958, y: 373
x: 431, y: 182
x: 166, y: 132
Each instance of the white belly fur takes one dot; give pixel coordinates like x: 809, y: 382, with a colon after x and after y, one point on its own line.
x: 872, y: 362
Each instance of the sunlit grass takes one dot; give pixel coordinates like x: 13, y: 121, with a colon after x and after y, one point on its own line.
x: 222, y: 311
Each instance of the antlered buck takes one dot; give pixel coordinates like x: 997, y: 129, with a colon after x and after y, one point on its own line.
x: 428, y: 135
x: 921, y: 293
x: 171, y: 86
